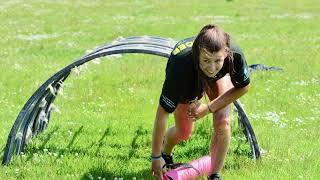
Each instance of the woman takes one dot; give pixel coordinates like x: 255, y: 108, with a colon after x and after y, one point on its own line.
x: 197, y: 66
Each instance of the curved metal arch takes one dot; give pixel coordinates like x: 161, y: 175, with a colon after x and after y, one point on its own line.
x: 35, y: 114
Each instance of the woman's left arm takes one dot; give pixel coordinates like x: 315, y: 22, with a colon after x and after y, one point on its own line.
x: 227, y: 98
x: 197, y: 110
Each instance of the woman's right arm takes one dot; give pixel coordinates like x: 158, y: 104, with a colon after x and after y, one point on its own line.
x: 157, y: 139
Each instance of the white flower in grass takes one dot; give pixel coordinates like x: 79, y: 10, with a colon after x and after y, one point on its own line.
x: 304, y: 16
x: 76, y: 71
x: 315, y: 81
x: 131, y: 90
x: 275, y: 118
x: 279, y: 16
x: 71, y: 44
x: 90, y: 176
x: 272, y: 116
x: 45, y: 150
x: 114, y: 56
x: 88, y: 51
x: 301, y: 83
x: 77, y: 154
x: 119, y: 38
x: 282, y: 125
x: 301, y: 97
x: 255, y: 116
x: 35, y: 157
x: 282, y: 113
x: 298, y: 120
x: 17, y: 67
x: 96, y: 61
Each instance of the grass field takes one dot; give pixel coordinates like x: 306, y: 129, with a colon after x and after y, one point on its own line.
x: 107, y: 113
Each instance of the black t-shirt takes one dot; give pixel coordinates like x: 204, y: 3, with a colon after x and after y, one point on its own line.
x: 181, y: 83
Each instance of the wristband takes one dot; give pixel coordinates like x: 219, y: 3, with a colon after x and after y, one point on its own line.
x: 155, y: 157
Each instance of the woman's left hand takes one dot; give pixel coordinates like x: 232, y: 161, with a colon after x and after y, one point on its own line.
x: 197, y: 110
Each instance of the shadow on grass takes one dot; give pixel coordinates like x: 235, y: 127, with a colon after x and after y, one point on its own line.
x: 45, y: 141
x: 3, y: 149
x: 49, y: 136
x: 76, y: 134
x: 237, y: 162
x: 100, y: 142
x: 69, y: 148
x: 197, y: 151
x: 140, y: 140
x: 96, y: 172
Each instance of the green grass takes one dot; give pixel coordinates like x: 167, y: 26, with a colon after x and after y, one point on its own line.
x: 108, y: 112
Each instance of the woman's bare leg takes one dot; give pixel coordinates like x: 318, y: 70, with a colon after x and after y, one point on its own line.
x: 221, y: 123
x: 180, y: 131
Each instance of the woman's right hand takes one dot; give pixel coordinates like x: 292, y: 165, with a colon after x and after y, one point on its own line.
x: 157, y: 169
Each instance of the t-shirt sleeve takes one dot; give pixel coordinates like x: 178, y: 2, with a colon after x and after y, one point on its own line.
x: 240, y: 75
x: 170, y: 91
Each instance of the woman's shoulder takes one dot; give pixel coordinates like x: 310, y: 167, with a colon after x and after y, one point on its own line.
x: 181, y: 59
x: 236, y: 49
x: 183, y: 48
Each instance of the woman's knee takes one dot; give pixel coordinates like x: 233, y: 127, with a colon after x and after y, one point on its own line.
x: 182, y: 124
x: 184, y: 134
x: 221, y: 123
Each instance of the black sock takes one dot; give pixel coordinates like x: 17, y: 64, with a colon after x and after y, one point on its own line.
x: 214, y: 176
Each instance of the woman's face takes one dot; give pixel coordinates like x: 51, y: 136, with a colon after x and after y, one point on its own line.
x: 211, y: 63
